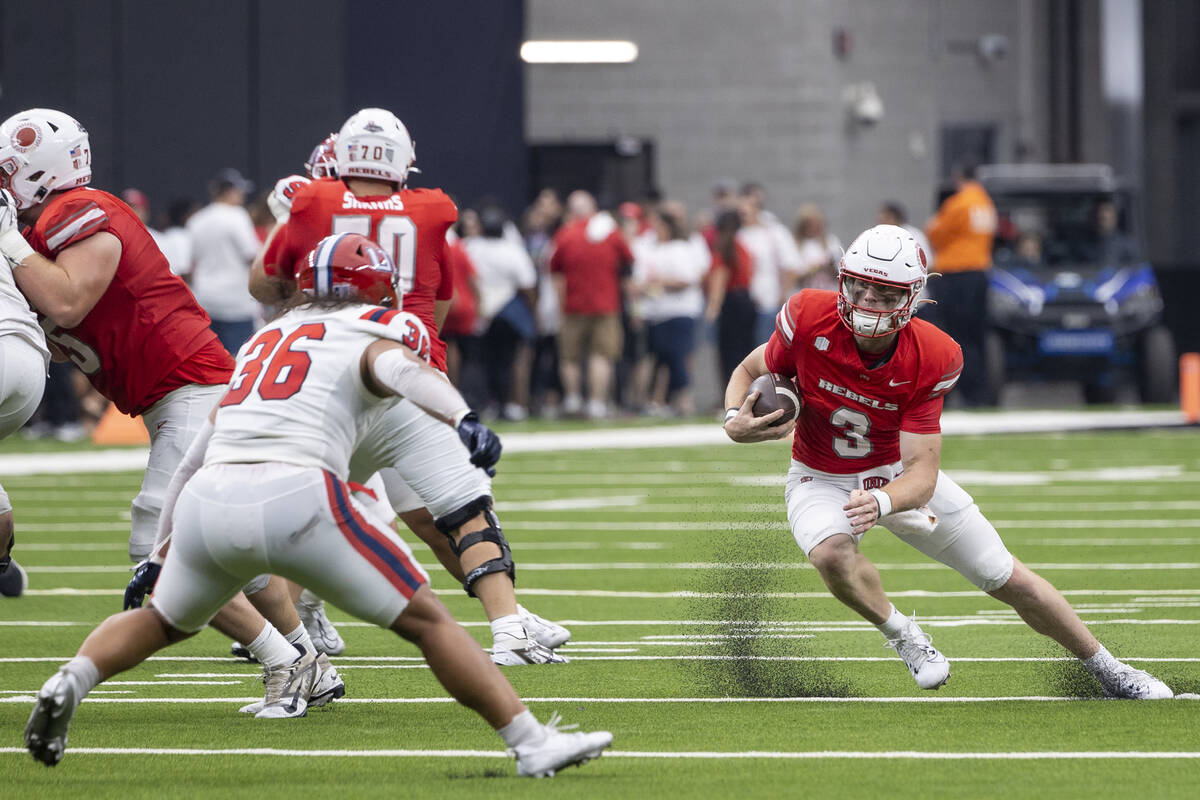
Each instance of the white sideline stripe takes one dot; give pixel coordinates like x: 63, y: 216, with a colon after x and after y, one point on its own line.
x: 712, y: 565
x: 895, y: 755
x: 939, y: 698
x: 66, y: 591
x: 952, y: 423
x: 570, y: 503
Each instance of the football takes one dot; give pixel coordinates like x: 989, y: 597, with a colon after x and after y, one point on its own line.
x: 775, y: 392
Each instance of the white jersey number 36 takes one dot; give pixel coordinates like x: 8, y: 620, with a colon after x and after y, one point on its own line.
x: 396, y: 235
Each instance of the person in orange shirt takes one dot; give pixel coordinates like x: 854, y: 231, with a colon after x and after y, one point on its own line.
x: 961, y: 234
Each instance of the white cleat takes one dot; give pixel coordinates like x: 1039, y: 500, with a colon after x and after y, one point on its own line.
x: 929, y: 668
x: 46, y: 732
x: 558, y: 750
x: 1128, y: 683
x: 324, y: 636
x: 510, y: 652
x: 288, y: 689
x: 328, y: 687
x: 545, y: 632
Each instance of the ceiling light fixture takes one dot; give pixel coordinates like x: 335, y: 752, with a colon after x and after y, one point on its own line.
x: 545, y: 51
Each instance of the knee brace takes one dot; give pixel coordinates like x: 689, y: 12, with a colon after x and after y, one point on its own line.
x: 492, y: 533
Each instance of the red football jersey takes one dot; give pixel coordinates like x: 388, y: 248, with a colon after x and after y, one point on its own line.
x: 853, y: 413
x: 410, y: 224
x: 146, y: 335
x: 592, y: 266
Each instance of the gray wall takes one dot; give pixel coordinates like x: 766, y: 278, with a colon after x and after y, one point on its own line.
x: 753, y: 90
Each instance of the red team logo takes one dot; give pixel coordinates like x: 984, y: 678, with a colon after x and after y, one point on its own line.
x: 26, y: 138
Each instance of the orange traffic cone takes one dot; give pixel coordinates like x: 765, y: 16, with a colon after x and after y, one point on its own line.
x: 1189, y: 386
x: 115, y: 428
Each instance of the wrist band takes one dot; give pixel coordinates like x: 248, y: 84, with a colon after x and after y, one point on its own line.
x: 14, y: 246
x: 730, y: 413
x: 884, y: 500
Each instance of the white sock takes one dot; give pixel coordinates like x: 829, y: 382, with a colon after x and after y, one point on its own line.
x: 524, y: 729
x: 509, y: 625
x: 1101, y: 662
x: 893, y: 625
x: 300, y: 637
x: 271, y: 649
x: 83, y: 671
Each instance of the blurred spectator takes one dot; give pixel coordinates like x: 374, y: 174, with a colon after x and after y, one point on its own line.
x: 174, y: 241
x: 729, y: 300
x: 542, y: 219
x: 459, y: 326
x: 775, y: 257
x: 820, y: 250
x: 507, y: 281
x: 961, y: 234
x: 724, y: 198
x: 1029, y: 250
x: 136, y: 199
x: 1113, y: 247
x: 892, y: 213
x: 589, y: 262
x: 666, y: 276
x: 224, y: 243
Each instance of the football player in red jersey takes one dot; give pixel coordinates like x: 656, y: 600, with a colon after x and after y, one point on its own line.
x: 109, y: 301
x: 374, y: 155
x: 112, y: 306
x: 867, y: 450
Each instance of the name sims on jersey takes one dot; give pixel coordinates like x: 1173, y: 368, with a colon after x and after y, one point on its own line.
x: 841, y: 391
x: 393, y: 203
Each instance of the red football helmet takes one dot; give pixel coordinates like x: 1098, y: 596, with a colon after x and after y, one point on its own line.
x: 322, y: 162
x: 351, y: 267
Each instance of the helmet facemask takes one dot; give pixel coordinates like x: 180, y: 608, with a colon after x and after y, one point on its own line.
x: 888, y: 311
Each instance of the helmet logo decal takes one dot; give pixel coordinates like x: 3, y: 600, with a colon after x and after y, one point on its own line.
x: 26, y: 138
x: 373, y: 127
x: 921, y: 255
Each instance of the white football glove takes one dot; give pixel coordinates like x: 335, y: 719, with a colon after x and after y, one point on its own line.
x: 12, y: 243
x: 280, y: 199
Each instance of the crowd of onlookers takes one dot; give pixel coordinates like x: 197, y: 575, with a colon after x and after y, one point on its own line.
x: 568, y: 311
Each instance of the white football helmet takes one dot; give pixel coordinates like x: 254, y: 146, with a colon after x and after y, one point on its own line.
x: 375, y: 144
x: 889, y: 258
x: 41, y: 151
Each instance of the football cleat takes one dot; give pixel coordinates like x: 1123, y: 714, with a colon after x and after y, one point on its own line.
x: 13, y: 581
x: 46, y: 733
x: 288, y: 689
x: 1127, y: 683
x: 558, y: 750
x: 929, y: 668
x: 545, y: 632
x: 327, y: 687
x: 510, y: 652
x: 324, y: 636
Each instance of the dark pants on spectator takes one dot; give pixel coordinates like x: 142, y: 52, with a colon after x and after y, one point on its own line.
x: 735, y: 332
x: 60, y: 403
x: 544, y: 376
x: 233, y: 333
x: 671, y: 342
x: 499, y: 350
x: 962, y: 313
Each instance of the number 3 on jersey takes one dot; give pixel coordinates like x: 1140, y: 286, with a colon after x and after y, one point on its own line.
x: 286, y: 368
x: 396, y: 235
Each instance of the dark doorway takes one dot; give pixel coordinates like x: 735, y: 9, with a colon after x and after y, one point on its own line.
x: 614, y: 171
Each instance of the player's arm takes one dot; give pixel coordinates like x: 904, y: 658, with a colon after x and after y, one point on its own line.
x: 268, y: 289
x: 921, y: 455
x: 740, y: 423
x: 66, y: 289
x: 389, y: 368
x: 440, y: 309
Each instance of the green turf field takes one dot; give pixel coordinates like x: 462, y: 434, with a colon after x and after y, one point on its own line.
x: 701, y: 639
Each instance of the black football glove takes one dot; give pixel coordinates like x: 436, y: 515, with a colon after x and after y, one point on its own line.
x: 145, y: 575
x: 6, y: 559
x: 482, y: 441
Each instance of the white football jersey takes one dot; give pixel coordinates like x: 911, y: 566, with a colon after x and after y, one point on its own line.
x: 297, y: 390
x: 15, y: 314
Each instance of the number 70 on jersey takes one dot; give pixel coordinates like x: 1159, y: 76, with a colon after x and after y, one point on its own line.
x: 397, y: 235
